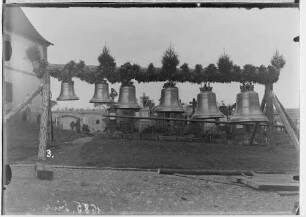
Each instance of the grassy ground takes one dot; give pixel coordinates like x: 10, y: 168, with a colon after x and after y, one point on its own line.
x: 21, y: 140
x: 156, y: 154
x: 22, y: 145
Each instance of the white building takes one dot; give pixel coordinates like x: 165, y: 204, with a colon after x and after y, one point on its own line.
x: 18, y: 77
x: 91, y: 117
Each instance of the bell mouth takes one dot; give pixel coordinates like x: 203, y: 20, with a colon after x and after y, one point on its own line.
x: 67, y: 98
x: 248, y: 119
x: 101, y: 101
x: 127, y: 106
x: 169, y: 109
x: 210, y: 116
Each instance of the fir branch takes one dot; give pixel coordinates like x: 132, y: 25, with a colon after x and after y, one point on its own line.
x: 278, y: 61
x: 70, y: 70
x: 33, y: 53
x: 169, y: 63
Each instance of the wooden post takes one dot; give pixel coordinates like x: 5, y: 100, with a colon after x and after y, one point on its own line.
x: 20, y: 106
x: 269, y: 113
x: 43, y: 133
x: 262, y: 106
x: 282, y: 115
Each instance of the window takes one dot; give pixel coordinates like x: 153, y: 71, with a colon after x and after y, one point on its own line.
x: 7, y: 50
x: 8, y: 88
x: 97, y: 121
x: 7, y: 47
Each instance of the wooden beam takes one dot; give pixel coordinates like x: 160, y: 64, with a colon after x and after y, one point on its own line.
x: 283, y: 117
x: 43, y: 132
x: 52, y: 67
x: 270, y: 115
x: 20, y: 106
x: 175, y: 119
x: 205, y: 172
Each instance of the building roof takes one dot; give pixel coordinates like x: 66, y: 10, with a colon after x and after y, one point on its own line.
x: 14, y: 20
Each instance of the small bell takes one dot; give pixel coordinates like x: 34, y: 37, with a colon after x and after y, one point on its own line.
x: 169, y: 100
x: 207, y: 105
x: 247, y: 106
x: 67, y: 92
x: 101, y: 94
x: 127, y: 97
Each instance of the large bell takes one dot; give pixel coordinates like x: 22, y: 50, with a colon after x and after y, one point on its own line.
x: 67, y: 92
x: 101, y: 94
x: 247, y: 106
x: 207, y: 105
x: 169, y: 100
x: 127, y: 97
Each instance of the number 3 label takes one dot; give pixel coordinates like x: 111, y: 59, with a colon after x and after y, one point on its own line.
x: 48, y: 153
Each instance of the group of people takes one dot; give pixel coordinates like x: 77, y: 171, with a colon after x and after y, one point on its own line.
x: 77, y: 126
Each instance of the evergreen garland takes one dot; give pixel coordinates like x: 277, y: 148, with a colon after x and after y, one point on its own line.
x: 41, y: 68
x: 169, y: 63
x: 106, y: 69
x: 107, y: 65
x: 71, y: 69
x: 224, y: 72
x: 33, y: 54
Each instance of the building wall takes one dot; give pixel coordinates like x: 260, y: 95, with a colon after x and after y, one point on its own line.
x: 64, y: 122
x: 18, y: 72
x: 94, y: 121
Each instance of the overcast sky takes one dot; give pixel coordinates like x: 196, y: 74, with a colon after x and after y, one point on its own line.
x: 199, y: 36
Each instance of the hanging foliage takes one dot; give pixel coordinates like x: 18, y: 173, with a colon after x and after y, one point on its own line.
x: 70, y: 70
x: 169, y: 63
x: 278, y: 61
x: 225, y: 71
x: 41, y: 69
x: 225, y: 65
x: 127, y: 72
x: 33, y: 53
x: 106, y: 69
x: 107, y: 65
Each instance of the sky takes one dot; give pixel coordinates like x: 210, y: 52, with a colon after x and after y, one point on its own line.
x: 199, y: 36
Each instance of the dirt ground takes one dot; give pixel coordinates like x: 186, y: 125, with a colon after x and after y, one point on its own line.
x: 130, y: 192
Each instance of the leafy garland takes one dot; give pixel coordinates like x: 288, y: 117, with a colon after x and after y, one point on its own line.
x: 106, y: 69
x: 33, y: 54
x: 225, y: 71
x: 71, y: 69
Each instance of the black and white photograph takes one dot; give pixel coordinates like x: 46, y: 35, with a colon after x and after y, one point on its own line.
x: 151, y: 108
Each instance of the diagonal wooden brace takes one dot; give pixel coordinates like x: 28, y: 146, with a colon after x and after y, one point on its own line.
x: 285, y: 120
x: 20, y: 106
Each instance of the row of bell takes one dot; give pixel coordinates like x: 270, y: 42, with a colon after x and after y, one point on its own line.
x: 127, y: 96
x: 247, y: 102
